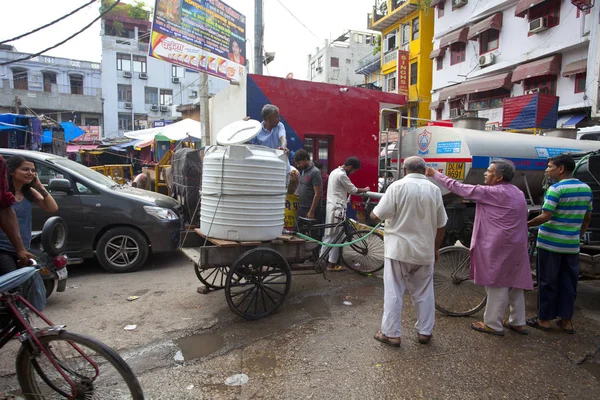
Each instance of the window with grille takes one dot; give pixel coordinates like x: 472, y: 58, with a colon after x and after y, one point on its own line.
x: 488, y: 99
x: 151, y: 95
x: 123, y: 62
x: 413, y: 73
x: 124, y: 93
x: 457, y: 53
x: 76, y: 82
x: 166, y: 97
x: 549, y: 10
x: 488, y: 41
x: 415, y: 28
x: 139, y: 64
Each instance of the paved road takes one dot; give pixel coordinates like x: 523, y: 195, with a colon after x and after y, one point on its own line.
x: 186, y: 344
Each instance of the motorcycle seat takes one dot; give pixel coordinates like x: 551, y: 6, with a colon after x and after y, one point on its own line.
x: 14, y: 279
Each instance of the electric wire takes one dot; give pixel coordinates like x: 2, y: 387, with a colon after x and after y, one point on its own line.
x: 48, y: 24
x: 65, y: 40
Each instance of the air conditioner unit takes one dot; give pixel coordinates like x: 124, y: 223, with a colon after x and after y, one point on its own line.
x: 127, y: 74
x: 537, y: 90
x: 486, y: 59
x: 154, y: 107
x: 164, y: 108
x: 537, y: 25
x: 175, y: 79
x: 143, y: 75
x: 459, y: 3
x: 319, y: 69
x: 455, y: 112
x: 128, y: 105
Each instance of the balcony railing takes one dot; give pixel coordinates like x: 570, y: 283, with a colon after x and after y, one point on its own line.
x: 45, y: 87
x: 387, y: 12
x: 390, y: 56
x: 371, y: 86
x: 368, y: 60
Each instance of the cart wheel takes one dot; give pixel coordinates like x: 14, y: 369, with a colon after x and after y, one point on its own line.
x: 257, y: 283
x: 213, y: 278
x: 456, y: 294
x: 367, y: 256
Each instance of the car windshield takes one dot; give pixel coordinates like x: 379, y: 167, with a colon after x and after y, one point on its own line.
x: 86, y: 172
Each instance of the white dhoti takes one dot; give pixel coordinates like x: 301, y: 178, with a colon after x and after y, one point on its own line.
x: 334, y: 214
x: 497, y: 301
x: 418, y: 280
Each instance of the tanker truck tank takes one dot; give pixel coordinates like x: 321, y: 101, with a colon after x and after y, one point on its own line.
x: 465, y: 154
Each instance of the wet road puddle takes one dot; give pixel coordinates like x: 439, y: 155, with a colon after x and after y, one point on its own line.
x: 319, y: 306
x: 198, y: 346
x: 593, y: 368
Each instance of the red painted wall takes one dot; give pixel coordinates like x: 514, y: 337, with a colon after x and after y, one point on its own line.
x: 351, y: 117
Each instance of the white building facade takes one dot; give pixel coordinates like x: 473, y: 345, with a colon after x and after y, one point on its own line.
x: 140, y: 91
x: 60, y: 88
x: 486, y: 51
x: 337, y: 62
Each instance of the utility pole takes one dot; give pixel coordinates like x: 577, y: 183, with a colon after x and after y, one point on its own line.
x: 204, y: 109
x: 258, y: 37
x: 17, y: 105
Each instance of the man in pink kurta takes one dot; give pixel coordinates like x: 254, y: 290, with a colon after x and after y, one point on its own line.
x: 499, y: 257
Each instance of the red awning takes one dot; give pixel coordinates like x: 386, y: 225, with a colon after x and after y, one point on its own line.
x: 455, y: 37
x: 437, y: 53
x: 575, y: 68
x: 493, y: 22
x: 545, y: 66
x: 478, y: 85
x: 74, y: 148
x: 434, y: 105
x: 523, y: 6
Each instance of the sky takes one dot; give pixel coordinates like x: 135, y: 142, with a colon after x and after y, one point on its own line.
x: 284, y: 35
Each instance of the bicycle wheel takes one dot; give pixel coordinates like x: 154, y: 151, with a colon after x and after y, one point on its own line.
x: 213, y: 278
x: 366, y: 256
x: 96, y: 370
x: 456, y: 294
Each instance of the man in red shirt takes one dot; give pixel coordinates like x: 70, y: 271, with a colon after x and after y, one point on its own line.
x: 8, y: 218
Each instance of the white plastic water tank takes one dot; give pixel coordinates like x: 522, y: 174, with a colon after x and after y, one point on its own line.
x: 243, y: 193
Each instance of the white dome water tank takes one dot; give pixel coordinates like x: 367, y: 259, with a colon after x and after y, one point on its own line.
x: 243, y: 193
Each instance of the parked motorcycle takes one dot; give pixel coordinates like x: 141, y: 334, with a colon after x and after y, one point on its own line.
x: 48, y: 246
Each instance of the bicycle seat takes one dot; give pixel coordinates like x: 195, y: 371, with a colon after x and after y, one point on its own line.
x: 14, y: 279
x: 307, y: 221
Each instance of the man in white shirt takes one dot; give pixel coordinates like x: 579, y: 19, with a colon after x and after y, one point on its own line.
x: 338, y: 187
x: 415, y: 218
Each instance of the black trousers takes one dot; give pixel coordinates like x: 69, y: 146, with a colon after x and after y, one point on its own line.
x: 8, y: 262
x: 557, y: 276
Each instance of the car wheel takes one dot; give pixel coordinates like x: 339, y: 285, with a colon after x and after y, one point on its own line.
x: 122, y: 249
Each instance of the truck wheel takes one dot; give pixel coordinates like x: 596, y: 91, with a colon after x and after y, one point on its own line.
x: 122, y: 249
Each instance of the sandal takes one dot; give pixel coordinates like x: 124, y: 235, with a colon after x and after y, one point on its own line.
x: 424, y: 339
x: 561, y: 325
x: 520, y: 330
x: 481, y: 327
x: 534, y: 323
x: 390, y: 341
x: 337, y: 268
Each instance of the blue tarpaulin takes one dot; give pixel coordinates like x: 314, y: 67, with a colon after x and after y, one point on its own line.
x: 124, y: 146
x: 9, y: 122
x: 72, y: 131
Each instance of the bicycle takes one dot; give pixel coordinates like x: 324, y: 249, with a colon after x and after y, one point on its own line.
x: 53, y: 363
x: 456, y: 294
x: 366, y: 256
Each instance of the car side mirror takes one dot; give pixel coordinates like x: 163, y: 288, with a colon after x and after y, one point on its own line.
x: 60, y: 185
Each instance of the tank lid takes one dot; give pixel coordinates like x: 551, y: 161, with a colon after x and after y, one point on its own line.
x: 239, y: 132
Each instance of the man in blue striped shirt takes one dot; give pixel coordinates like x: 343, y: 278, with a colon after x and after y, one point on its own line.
x: 565, y: 217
